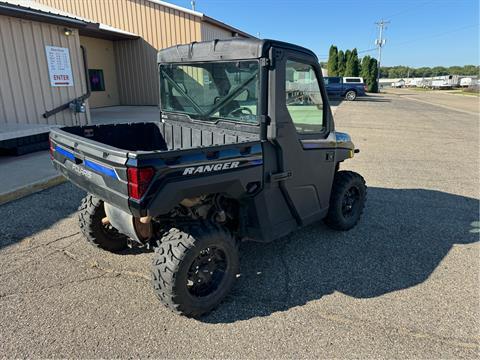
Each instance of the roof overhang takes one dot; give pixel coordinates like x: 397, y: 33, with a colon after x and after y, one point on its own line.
x: 32, y: 14
x: 106, y: 32
x: 84, y: 26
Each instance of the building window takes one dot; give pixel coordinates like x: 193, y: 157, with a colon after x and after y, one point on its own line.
x: 97, y: 83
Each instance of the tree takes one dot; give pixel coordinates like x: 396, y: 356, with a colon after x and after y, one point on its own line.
x: 341, y: 63
x: 371, y: 80
x: 364, y: 71
x: 332, y: 65
x: 369, y: 73
x: 439, y: 71
x: 402, y: 71
x: 356, y: 62
x: 347, y: 56
x: 352, y: 68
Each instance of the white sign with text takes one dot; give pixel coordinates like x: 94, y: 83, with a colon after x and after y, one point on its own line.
x: 59, y: 67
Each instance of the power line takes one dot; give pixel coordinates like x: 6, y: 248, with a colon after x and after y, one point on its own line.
x: 325, y: 57
x: 415, y: 6
x: 435, y: 35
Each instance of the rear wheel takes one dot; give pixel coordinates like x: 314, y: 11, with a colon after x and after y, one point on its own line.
x: 347, y: 200
x: 194, y: 268
x: 351, y: 95
x: 105, y: 236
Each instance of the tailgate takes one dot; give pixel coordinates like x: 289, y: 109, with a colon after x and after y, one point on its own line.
x: 97, y: 168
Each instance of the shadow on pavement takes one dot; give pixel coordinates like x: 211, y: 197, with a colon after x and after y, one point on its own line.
x: 400, y: 240
x: 25, y: 217
x: 402, y: 237
x: 372, y: 98
x: 336, y: 101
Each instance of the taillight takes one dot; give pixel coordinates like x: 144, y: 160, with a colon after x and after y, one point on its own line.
x: 52, y: 149
x: 138, y: 181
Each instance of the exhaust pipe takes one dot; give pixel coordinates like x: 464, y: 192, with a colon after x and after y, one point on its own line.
x: 138, y: 229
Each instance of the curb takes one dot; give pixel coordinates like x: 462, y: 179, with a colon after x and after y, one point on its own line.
x: 32, y: 188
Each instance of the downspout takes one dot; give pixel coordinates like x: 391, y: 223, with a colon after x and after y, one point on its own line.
x: 78, y: 103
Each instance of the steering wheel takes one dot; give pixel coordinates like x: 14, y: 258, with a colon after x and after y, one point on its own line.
x: 240, y: 109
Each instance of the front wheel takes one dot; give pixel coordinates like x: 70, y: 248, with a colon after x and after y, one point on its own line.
x: 194, y: 268
x: 351, y: 95
x: 347, y: 200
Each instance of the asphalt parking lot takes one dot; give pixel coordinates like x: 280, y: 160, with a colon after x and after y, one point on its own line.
x: 404, y: 283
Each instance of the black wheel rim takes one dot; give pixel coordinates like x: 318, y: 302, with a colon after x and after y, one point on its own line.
x: 350, y: 202
x: 206, y: 272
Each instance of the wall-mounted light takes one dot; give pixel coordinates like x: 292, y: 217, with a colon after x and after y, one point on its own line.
x: 67, y: 31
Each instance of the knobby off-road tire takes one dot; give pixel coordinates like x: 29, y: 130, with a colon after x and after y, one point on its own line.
x: 347, y: 200
x: 90, y: 215
x: 184, y: 278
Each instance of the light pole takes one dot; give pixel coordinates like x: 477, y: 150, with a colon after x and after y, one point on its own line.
x: 380, y: 42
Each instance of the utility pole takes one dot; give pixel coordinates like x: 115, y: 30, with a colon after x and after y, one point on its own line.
x: 380, y: 42
x: 193, y: 4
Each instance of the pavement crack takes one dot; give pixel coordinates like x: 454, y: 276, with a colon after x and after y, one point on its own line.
x: 473, y: 343
x: 121, y: 272
x: 53, y: 286
x: 44, y: 245
x: 105, y: 270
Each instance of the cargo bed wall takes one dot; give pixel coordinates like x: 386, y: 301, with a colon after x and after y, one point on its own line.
x: 182, y: 135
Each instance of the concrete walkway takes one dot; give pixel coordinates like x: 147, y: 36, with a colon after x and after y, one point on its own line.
x: 124, y: 114
x: 24, y: 175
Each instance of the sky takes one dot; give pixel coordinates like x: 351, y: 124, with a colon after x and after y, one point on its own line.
x: 420, y: 33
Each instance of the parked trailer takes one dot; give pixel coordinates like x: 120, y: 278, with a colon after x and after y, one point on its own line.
x: 445, y: 82
x: 468, y: 81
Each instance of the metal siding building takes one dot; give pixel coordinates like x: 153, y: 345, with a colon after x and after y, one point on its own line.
x: 25, y: 91
x: 121, y: 38
x: 158, y: 24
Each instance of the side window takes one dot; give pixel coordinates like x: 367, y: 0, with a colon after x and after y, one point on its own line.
x: 303, y: 98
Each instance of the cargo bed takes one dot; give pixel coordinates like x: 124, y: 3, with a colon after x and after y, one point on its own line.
x: 97, y: 158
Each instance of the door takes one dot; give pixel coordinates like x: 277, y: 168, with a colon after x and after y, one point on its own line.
x: 334, y: 86
x: 305, y: 138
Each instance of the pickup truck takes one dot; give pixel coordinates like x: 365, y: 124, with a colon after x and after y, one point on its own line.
x: 345, y: 87
x: 245, y: 149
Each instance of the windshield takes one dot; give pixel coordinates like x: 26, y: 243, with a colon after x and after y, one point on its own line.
x: 209, y: 91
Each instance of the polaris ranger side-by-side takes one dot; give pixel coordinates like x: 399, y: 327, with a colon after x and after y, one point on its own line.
x: 245, y: 149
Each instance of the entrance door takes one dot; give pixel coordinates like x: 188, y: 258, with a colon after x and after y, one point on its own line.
x: 305, y: 136
x: 102, y: 73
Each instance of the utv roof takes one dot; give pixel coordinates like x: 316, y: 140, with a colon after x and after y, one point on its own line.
x: 231, y: 49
